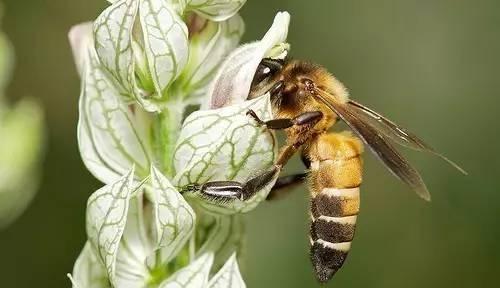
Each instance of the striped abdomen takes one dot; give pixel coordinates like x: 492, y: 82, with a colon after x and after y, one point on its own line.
x: 335, y: 177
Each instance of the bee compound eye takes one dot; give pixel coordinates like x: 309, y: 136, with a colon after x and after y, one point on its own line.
x: 261, y: 74
x: 309, y: 84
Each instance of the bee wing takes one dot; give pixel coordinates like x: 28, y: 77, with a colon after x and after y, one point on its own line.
x: 378, y: 143
x: 395, y: 132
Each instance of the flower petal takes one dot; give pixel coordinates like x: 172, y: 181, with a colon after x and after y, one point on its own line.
x: 195, y: 275
x: 225, y: 144
x: 107, y: 210
x: 229, y: 276
x: 89, y: 271
x: 165, y: 42
x: 109, y: 139
x: 234, y: 78
x: 225, y: 237
x: 207, y: 48
x: 216, y: 10
x: 135, y: 245
x: 113, y: 38
x: 174, y: 219
x: 80, y: 38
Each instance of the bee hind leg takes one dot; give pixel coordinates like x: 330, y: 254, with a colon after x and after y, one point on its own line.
x: 225, y: 191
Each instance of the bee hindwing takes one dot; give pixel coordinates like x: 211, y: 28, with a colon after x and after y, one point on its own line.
x: 335, y: 177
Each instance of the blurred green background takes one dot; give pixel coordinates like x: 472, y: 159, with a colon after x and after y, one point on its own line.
x: 431, y: 65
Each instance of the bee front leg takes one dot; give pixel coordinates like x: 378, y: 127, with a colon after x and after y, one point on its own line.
x: 225, y: 191
x: 307, y: 118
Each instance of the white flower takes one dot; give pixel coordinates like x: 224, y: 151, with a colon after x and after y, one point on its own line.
x: 142, y: 66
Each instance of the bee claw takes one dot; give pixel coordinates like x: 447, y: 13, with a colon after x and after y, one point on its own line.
x: 254, y: 116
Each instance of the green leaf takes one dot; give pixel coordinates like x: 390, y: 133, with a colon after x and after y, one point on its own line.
x: 234, y: 78
x: 207, y: 49
x: 195, y: 275
x: 113, y: 38
x: 215, y: 10
x: 165, y: 43
x: 228, y: 276
x: 107, y: 210
x: 173, y: 218
x: 111, y: 135
x: 225, y: 144
x: 89, y: 271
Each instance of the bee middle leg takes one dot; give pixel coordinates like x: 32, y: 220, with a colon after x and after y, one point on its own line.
x: 285, y: 184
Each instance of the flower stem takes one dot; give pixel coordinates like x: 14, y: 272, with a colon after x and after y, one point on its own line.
x: 166, y: 128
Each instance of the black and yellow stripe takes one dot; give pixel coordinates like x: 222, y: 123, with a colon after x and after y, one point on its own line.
x: 333, y: 213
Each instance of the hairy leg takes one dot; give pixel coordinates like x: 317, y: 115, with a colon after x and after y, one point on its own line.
x: 232, y: 190
x: 285, y: 184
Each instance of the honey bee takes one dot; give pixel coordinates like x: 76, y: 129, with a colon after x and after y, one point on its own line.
x: 307, y: 101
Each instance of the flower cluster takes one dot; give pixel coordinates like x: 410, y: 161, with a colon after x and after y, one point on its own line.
x: 163, y: 107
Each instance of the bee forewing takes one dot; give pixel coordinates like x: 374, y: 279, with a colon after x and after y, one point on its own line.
x: 378, y: 144
x: 395, y: 132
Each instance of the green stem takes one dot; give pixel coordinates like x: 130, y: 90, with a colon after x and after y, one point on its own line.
x: 166, y: 131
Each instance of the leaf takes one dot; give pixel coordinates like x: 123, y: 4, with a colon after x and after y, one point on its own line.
x: 225, y: 144
x: 89, y: 271
x: 174, y: 219
x: 207, y: 49
x: 234, y: 78
x: 195, y: 275
x: 165, y: 42
x: 107, y: 210
x: 229, y: 276
x: 110, y: 137
x: 216, y: 10
x: 113, y: 38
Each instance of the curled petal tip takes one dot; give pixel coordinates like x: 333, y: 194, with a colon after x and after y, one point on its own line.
x: 80, y: 36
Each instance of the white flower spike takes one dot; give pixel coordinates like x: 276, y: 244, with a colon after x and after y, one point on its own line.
x: 145, y: 64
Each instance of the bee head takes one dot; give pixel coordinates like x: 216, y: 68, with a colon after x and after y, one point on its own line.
x: 294, y: 81
x: 306, y: 77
